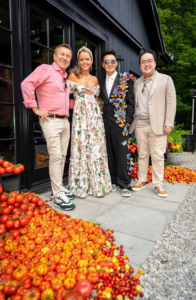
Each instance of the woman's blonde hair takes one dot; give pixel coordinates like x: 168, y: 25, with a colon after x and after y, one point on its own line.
x: 77, y: 69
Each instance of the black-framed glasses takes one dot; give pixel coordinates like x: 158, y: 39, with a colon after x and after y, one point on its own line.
x: 65, y: 79
x: 112, y: 61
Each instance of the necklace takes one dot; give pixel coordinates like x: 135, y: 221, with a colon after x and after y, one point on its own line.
x: 87, y: 78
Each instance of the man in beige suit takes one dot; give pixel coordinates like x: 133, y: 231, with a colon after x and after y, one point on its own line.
x: 155, y: 108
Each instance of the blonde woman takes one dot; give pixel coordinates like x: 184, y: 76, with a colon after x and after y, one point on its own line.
x: 88, y: 171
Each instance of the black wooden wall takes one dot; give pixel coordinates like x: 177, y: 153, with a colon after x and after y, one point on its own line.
x: 121, y: 24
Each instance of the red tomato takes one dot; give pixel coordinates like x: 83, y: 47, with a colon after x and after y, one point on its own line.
x: 19, y: 197
x: 21, y: 168
x: 24, y: 221
x: 16, y: 233
x: 84, y: 287
x: 24, y: 207
x: 1, y: 190
x: 73, y: 295
x: 40, y: 202
x: 11, y: 201
x: 9, y: 224
x: 6, y: 211
x: 3, y: 197
x: 34, y: 199
x: 4, y: 204
x: 4, y: 218
x: 31, y: 207
x: 16, y: 170
x: 8, y: 169
x: 2, y: 229
x: 11, y: 207
x: 1, y: 161
x: 5, y: 164
x: 2, y: 171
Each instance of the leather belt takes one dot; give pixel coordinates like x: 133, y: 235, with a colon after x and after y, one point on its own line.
x: 56, y: 116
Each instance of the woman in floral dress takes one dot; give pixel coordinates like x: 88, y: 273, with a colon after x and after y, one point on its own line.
x: 88, y: 171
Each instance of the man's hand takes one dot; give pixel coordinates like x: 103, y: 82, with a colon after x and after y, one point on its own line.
x: 42, y: 113
x: 167, y: 129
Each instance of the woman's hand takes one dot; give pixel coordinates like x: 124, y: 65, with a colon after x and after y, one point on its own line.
x: 98, y: 100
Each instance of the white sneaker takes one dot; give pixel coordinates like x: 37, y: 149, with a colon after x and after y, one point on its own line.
x: 126, y: 193
x: 114, y: 188
x: 62, y: 197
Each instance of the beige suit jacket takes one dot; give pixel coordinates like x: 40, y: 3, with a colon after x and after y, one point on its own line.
x: 162, y: 103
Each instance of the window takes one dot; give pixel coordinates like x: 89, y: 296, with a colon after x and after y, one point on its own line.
x: 45, y: 36
x: 7, y: 107
x: 79, y: 42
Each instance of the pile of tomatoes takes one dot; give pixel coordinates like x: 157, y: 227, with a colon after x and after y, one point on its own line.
x: 172, y: 174
x: 45, y: 253
x: 16, y: 211
x: 133, y: 148
x: 8, y: 167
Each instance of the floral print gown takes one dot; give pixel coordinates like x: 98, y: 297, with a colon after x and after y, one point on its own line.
x: 88, y: 170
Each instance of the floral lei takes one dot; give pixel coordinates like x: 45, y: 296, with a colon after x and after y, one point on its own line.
x: 118, y: 100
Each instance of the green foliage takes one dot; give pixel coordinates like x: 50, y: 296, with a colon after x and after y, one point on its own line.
x: 178, y: 23
x: 175, y: 136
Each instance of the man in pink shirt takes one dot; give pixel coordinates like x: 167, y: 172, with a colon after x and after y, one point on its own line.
x: 52, y: 106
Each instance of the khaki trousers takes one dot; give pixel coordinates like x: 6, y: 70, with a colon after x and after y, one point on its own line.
x: 56, y: 133
x: 150, y: 144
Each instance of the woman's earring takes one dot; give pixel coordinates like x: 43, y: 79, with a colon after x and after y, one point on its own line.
x: 79, y: 67
x: 91, y: 68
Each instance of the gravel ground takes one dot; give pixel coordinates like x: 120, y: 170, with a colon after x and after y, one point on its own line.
x: 170, y: 269
x: 189, y: 160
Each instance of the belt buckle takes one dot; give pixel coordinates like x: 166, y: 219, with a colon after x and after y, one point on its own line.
x: 52, y: 116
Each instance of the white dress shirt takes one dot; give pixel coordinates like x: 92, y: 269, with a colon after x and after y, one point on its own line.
x: 110, y: 81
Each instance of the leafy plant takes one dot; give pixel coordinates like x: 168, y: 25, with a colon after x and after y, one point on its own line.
x: 175, y: 140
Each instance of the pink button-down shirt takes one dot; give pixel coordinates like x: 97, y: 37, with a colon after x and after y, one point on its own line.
x: 49, y: 84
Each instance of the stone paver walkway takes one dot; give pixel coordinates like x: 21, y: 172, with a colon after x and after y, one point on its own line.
x: 138, y: 221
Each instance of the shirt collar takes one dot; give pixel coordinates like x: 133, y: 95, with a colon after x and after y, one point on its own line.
x: 152, y: 78
x: 56, y: 67
x: 113, y: 76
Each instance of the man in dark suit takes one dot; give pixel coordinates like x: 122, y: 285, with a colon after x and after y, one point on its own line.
x: 118, y: 116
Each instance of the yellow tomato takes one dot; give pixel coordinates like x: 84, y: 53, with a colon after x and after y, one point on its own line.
x: 138, y: 288
x: 119, y: 297
x: 127, y: 267
x: 99, y: 285
x: 114, y: 259
x: 108, y: 296
x: 108, y: 244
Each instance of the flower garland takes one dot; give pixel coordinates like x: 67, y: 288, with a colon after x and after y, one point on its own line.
x: 118, y: 100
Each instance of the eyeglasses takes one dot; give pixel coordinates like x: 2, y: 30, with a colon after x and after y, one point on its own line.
x: 146, y: 62
x: 112, y: 61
